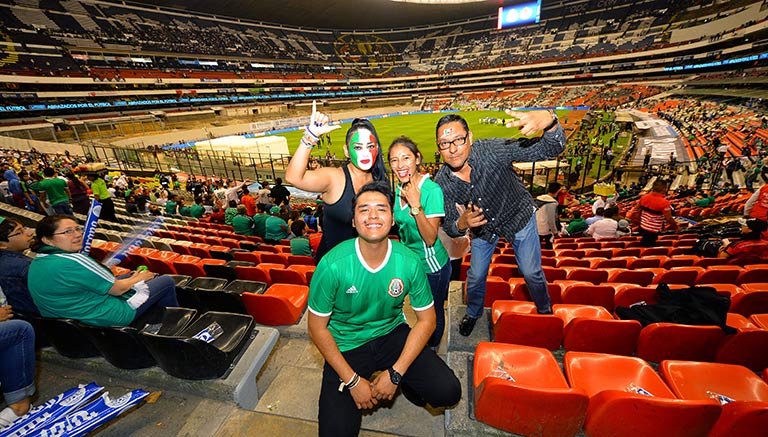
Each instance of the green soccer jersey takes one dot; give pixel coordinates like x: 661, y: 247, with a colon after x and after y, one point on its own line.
x: 74, y: 286
x: 55, y: 190
x: 365, y: 303
x: 260, y: 225
x: 433, y: 258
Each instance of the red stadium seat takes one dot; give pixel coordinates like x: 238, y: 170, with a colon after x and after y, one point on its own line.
x: 517, y: 323
x: 252, y: 274
x: 718, y: 274
x: 593, y: 329
x: 617, y: 406
x: 671, y: 341
x: 521, y: 390
x: 597, y: 295
x: 746, y: 416
x: 281, y: 304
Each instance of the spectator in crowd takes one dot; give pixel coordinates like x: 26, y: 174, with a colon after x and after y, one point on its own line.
x: 17, y: 372
x: 577, y: 225
x: 752, y: 248
x: 67, y: 284
x: 651, y: 211
x: 172, y: 205
x: 31, y: 202
x: 102, y: 194
x: 623, y: 230
x: 599, y: 215
x: 248, y: 201
x: 230, y: 212
x: 359, y: 332
x: 275, y: 228
x: 79, y: 191
x: 337, y: 185
x: 197, y: 210
x: 605, y: 227
x: 419, y: 211
x: 260, y: 220
x: 130, y: 205
x: 484, y: 194
x: 703, y: 199
x: 599, y: 203
x: 309, y: 218
x: 279, y: 195
x: 757, y: 205
x: 184, y: 210
x: 55, y: 192
x: 14, y: 265
x: 546, y: 215
x: 263, y: 194
x: 242, y: 223
x: 217, y: 216
x: 300, y: 241
x: 14, y: 186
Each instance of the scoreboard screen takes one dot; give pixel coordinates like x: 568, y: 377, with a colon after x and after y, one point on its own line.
x: 516, y: 15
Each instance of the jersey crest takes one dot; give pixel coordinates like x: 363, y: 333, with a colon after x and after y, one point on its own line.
x: 396, y: 287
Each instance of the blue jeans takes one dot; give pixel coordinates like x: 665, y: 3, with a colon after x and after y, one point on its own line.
x: 162, y: 292
x: 17, y: 367
x: 439, y: 282
x: 528, y: 255
x: 63, y: 208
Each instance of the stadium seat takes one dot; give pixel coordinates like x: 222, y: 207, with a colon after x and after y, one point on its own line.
x: 597, y: 295
x: 593, y: 329
x: 306, y: 270
x: 220, y: 271
x: 751, y: 302
x: 65, y: 336
x: 301, y: 260
x: 252, y: 274
x: 520, y: 291
x: 628, y: 252
x: 618, y: 406
x: 628, y: 295
x: 518, y: 323
x: 504, y: 271
x: 679, y: 261
x: 573, y: 262
x: 644, y: 263
x: 287, y: 276
x: 600, y: 263
x: 182, y: 355
x: 521, y: 390
x: 746, y: 415
x: 717, y: 274
x: 679, y: 275
x: 254, y: 257
x: 752, y: 274
x: 748, y: 347
x: 594, y: 276
x: 599, y: 253
x: 639, y: 277
x: 274, y: 258
x: 280, y: 304
x: 672, y: 341
x: 121, y: 346
x: 760, y: 320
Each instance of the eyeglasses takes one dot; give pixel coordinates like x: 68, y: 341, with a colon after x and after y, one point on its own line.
x: 458, y: 142
x: 23, y: 230
x: 71, y: 231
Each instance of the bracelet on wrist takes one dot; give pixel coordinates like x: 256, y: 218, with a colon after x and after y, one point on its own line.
x: 352, y: 383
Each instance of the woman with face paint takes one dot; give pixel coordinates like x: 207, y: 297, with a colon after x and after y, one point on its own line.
x: 337, y: 185
x: 419, y: 212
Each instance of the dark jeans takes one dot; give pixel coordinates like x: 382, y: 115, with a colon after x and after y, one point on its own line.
x: 439, y: 283
x: 62, y: 208
x: 162, y: 293
x: 648, y: 238
x: 428, y: 377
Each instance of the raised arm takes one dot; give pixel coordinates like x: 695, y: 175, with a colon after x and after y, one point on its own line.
x: 297, y: 174
x: 549, y: 145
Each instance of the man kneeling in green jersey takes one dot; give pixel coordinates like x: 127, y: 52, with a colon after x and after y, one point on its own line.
x: 356, y: 320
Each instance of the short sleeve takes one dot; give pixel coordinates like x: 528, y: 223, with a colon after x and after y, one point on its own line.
x: 419, y: 291
x: 322, y: 290
x: 433, y: 203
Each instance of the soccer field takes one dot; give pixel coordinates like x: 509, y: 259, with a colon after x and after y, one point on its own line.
x: 419, y: 127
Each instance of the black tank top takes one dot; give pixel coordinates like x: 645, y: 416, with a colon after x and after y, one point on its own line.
x: 337, y: 219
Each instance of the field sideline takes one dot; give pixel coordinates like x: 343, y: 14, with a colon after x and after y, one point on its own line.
x: 419, y: 127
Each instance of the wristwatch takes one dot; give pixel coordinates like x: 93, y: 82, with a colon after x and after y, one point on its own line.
x: 394, y: 376
x: 554, y: 121
x: 415, y: 210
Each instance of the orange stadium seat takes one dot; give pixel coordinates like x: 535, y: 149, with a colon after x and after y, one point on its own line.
x: 280, y: 304
x: 518, y: 323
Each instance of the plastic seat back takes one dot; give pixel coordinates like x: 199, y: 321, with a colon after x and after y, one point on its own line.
x: 520, y: 389
x: 599, y: 295
x: 544, y: 331
x: 66, y: 337
x: 182, y: 356
x: 671, y: 341
x: 220, y: 271
x: 120, y: 345
x: 280, y: 304
x: 748, y: 348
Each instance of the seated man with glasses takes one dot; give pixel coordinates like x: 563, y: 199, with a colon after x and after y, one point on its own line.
x: 484, y: 195
x: 65, y: 283
x: 15, y: 239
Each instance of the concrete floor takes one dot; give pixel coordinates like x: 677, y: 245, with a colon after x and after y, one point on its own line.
x: 288, y: 384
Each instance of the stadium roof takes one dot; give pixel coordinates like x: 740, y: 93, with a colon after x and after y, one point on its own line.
x: 334, y: 14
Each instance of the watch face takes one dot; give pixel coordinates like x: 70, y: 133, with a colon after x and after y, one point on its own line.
x: 394, y: 376
x: 415, y: 211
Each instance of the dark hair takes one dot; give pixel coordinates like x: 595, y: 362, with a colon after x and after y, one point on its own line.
x: 261, y: 206
x: 47, y: 226
x: 408, y: 143
x: 278, y: 181
x: 49, y: 172
x: 554, y: 187
x: 756, y: 228
x: 576, y: 214
x: 297, y: 227
x: 659, y: 186
x: 450, y: 118
x: 7, y: 226
x: 600, y: 211
x: 376, y: 186
x: 232, y: 204
x: 378, y: 170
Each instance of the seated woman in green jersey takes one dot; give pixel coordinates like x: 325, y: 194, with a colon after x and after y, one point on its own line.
x: 418, y: 212
x: 67, y: 284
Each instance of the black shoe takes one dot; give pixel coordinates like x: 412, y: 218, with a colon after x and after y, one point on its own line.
x: 467, y: 325
x: 412, y: 396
